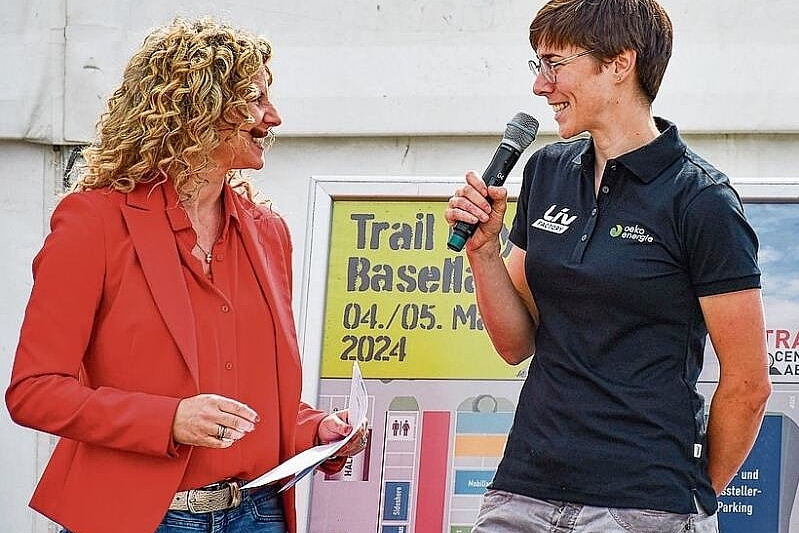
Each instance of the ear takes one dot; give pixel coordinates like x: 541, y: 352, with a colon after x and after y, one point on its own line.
x: 624, y: 64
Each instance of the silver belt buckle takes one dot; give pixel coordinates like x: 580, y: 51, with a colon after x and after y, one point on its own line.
x: 190, y: 499
x: 235, y: 494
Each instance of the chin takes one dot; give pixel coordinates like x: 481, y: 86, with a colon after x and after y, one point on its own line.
x: 567, y: 133
x: 253, y: 164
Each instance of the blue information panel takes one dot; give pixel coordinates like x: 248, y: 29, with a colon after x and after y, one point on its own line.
x: 472, y: 481
x: 397, y: 495
x: 750, y: 503
x: 759, y: 499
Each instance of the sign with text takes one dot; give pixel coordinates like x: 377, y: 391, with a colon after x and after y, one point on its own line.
x: 760, y: 497
x: 398, y: 301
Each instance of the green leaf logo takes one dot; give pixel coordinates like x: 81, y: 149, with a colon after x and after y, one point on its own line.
x: 616, y: 230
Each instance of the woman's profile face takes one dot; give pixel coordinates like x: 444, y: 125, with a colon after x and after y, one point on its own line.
x: 581, y: 93
x: 245, y: 148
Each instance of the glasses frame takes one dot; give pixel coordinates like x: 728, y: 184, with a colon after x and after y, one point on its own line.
x: 547, y: 68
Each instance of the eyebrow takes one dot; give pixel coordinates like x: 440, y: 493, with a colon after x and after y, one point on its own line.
x: 552, y: 57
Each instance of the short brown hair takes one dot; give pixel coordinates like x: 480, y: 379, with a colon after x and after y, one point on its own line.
x: 609, y: 27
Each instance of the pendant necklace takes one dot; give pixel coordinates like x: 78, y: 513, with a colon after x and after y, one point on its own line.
x: 207, y: 253
x: 208, y: 256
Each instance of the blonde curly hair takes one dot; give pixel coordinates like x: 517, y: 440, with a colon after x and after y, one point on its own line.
x: 162, y: 120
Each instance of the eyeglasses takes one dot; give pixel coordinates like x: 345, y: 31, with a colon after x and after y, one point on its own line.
x: 547, y: 68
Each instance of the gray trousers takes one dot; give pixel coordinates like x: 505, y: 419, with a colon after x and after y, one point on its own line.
x: 504, y: 512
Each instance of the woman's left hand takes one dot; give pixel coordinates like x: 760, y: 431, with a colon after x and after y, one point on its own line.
x: 335, y: 426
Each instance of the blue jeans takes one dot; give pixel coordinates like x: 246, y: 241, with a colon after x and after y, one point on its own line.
x: 503, y: 512
x: 260, y: 511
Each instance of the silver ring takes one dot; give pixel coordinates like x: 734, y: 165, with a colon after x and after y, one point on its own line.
x: 220, y: 431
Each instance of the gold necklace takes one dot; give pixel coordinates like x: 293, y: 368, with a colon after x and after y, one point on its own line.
x: 208, y: 256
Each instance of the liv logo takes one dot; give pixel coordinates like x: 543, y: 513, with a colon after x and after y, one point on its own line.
x: 632, y: 233
x: 555, y: 220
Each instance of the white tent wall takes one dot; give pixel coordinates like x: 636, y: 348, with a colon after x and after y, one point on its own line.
x: 32, y: 64
x: 406, y: 87
x: 406, y: 67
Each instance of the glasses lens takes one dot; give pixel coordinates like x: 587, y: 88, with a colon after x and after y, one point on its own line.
x: 543, y: 67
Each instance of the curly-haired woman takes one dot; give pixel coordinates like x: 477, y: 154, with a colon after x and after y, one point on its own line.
x: 158, y: 341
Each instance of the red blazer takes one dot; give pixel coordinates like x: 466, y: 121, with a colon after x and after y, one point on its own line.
x: 107, y: 349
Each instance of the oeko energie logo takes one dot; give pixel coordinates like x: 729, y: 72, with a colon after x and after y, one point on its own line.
x: 632, y: 233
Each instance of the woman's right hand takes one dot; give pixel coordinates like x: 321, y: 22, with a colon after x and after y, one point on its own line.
x: 212, y: 421
x: 469, y: 204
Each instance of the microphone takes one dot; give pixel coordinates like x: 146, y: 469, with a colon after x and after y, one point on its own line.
x: 519, y: 134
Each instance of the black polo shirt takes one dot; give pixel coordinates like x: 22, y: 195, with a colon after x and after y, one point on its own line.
x: 609, y: 414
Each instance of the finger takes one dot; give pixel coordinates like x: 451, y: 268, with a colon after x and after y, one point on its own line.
x: 236, y: 415
x: 227, y: 434
x: 226, y: 405
x: 337, y: 425
x: 213, y: 442
x: 212, y: 438
x: 333, y: 428
x: 463, y: 209
x: 499, y: 199
x: 234, y: 434
x: 356, y: 445
x: 476, y: 183
x: 236, y: 423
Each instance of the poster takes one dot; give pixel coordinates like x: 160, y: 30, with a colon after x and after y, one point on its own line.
x: 398, y: 300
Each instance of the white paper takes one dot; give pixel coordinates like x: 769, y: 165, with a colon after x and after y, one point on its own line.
x: 304, y: 462
x: 359, y: 400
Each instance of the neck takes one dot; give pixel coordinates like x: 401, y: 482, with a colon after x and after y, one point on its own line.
x: 207, y: 200
x: 626, y: 132
x: 205, y: 213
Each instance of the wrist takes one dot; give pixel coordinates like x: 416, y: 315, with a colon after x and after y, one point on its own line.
x: 488, y: 252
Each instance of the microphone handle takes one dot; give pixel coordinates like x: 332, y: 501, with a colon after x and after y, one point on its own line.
x: 494, y: 176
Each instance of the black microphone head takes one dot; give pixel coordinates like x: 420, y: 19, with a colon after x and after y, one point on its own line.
x: 520, y: 131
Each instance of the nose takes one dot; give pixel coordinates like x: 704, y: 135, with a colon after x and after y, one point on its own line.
x: 271, y: 116
x: 541, y: 85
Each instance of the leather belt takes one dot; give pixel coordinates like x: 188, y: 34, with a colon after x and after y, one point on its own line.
x: 215, y: 497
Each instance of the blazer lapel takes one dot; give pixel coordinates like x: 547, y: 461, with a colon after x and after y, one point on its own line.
x: 154, y: 241
x: 266, y: 252
x: 269, y: 256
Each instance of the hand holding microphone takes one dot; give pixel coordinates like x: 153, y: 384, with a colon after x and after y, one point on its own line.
x: 519, y: 134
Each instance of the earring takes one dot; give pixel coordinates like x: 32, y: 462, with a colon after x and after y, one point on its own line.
x: 618, y: 78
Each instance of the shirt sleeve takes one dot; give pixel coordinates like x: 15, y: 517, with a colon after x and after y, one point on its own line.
x: 719, y: 243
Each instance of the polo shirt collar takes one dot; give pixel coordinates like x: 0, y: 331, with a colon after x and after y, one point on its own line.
x: 649, y: 161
